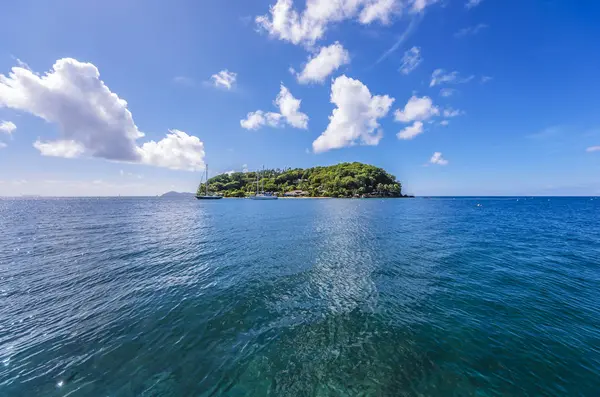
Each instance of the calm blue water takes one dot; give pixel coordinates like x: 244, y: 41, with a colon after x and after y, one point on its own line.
x: 439, y: 297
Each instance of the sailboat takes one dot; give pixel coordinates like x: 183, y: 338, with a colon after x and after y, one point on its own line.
x: 262, y: 195
x: 207, y: 196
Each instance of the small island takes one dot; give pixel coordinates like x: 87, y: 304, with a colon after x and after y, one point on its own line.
x: 345, y: 180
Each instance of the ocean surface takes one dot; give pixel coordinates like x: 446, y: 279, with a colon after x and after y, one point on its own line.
x: 178, y: 297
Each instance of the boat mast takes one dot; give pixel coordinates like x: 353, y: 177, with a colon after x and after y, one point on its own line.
x: 263, y: 180
x: 207, y: 179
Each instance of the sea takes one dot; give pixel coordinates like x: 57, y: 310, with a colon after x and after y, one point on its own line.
x: 325, y: 297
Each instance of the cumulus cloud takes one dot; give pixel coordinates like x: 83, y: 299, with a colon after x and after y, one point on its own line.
x: 61, y: 148
x: 289, y: 113
x: 178, y: 151
x: 258, y: 119
x: 7, y: 127
x: 411, y: 131
x: 440, y: 76
x: 224, y: 79
x: 307, y: 27
x: 470, y: 31
x: 321, y: 65
x: 472, y: 3
x: 355, y: 118
x: 593, y: 149
x: 417, y: 109
x: 92, y: 120
x: 438, y: 159
x: 411, y: 60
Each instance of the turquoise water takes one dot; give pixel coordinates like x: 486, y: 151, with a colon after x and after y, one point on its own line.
x: 438, y: 297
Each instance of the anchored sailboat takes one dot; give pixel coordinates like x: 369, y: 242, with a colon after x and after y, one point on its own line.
x: 260, y: 193
x: 207, y: 195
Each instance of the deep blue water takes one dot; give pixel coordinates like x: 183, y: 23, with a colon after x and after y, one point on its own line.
x: 423, y: 297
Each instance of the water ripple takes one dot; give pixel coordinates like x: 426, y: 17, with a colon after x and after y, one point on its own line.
x: 154, y: 297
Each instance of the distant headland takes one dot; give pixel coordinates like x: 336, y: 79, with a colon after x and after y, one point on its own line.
x: 178, y: 195
x: 345, y: 180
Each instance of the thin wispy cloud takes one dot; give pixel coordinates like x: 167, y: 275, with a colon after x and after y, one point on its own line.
x: 440, y: 76
x: 411, y: 60
x: 472, y: 3
x: 412, y: 26
x: 593, y: 149
x: 447, y: 92
x: 184, y: 81
x: 470, y: 31
x: 549, y: 133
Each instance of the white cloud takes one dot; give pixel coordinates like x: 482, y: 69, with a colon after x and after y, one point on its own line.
x: 411, y: 60
x: 593, y: 149
x: 444, y: 123
x: 224, y: 79
x: 258, y: 119
x: 440, y: 76
x: 417, y: 109
x: 453, y: 112
x: 411, y: 131
x: 447, y: 92
x: 378, y: 10
x: 2, y: 145
x: 355, y: 118
x: 321, y: 65
x: 472, y: 3
x: 177, y: 151
x: 289, y: 113
x: 61, y: 148
x: 7, y: 127
x: 92, y: 120
x: 438, y: 159
x: 470, y: 31
x: 289, y: 107
x: 131, y: 175
x: 307, y: 27
x: 485, y: 79
x: 420, y: 5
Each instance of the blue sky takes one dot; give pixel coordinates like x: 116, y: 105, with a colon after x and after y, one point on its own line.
x: 356, y: 80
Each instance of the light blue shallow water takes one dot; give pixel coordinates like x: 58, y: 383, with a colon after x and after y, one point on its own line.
x: 439, y: 297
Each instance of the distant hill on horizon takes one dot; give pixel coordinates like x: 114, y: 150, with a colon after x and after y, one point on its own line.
x: 173, y: 194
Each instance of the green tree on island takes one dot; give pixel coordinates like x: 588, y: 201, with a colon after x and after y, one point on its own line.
x: 341, y: 180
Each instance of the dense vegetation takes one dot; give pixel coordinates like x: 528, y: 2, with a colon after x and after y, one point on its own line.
x: 341, y: 180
